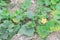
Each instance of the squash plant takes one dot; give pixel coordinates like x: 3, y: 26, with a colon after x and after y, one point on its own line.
x: 43, y: 22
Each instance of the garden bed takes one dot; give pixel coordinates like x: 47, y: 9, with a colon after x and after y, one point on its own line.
x: 30, y: 20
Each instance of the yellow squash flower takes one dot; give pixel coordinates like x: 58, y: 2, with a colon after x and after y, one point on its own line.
x: 44, y: 20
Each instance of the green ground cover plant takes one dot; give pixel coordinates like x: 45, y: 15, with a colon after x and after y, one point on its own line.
x: 43, y: 22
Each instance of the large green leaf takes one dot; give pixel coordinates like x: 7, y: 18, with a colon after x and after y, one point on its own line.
x: 8, y: 29
x: 47, y: 2
x: 27, y: 32
x: 27, y: 29
x: 53, y: 6
x: 58, y: 6
x: 55, y: 13
x: 43, y: 31
x: 30, y: 15
x: 26, y: 5
x: 54, y: 1
x: 55, y: 28
x: 47, y: 9
x: 40, y: 2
